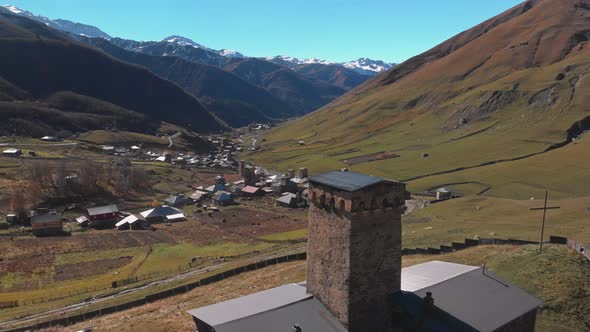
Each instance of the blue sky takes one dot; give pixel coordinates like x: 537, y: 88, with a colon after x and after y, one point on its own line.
x: 335, y: 30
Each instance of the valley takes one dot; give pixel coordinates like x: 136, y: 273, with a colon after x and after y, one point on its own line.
x: 149, y: 183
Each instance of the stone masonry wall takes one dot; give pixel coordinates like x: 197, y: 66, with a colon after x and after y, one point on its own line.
x: 354, y: 252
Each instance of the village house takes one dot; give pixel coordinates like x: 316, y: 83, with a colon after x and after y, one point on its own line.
x: 251, y: 191
x: 47, y: 224
x: 355, y: 281
x: 102, y: 217
x: 290, y: 200
x: 163, y: 214
x: 177, y: 200
x: 12, y: 152
x: 223, y: 198
x: 282, y: 184
x: 134, y: 222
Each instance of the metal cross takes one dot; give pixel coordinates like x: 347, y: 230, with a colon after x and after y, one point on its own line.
x: 544, y: 208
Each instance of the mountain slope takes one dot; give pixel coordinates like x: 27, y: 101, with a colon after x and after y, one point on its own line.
x: 42, y: 61
x: 507, y: 88
x: 303, y: 94
x: 232, y: 99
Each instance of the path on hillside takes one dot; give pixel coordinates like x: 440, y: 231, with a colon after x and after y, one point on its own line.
x: 46, y: 315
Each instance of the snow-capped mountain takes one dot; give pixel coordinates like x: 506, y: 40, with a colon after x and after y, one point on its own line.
x: 363, y: 66
x: 184, y: 41
x: 63, y: 25
x: 367, y: 66
x: 291, y: 62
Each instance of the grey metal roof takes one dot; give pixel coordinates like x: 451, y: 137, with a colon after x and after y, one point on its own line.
x: 102, y: 210
x: 250, y: 305
x: 287, y: 198
x: 348, y: 181
x: 424, y: 275
x: 160, y: 211
x: 310, y: 315
x: 48, y: 217
x: 484, y: 301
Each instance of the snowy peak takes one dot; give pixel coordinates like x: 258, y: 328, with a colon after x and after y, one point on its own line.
x: 368, y: 66
x: 364, y: 66
x: 180, y: 40
x: 62, y: 25
x: 230, y: 53
x: 184, y: 41
x: 291, y: 61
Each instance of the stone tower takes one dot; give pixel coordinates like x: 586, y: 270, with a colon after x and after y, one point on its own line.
x: 354, y: 247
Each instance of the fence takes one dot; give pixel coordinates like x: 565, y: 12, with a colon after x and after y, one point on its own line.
x: 163, y: 294
x: 456, y: 246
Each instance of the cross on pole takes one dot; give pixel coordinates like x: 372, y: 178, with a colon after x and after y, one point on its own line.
x: 544, y: 208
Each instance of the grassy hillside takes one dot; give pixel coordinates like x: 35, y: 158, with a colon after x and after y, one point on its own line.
x: 489, y: 217
x: 557, y: 276
x: 508, y: 88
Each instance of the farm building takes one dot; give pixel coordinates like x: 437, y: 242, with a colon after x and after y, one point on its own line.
x: 250, y: 191
x: 12, y: 152
x: 198, y: 196
x: 134, y: 221
x: 282, y: 184
x: 443, y: 193
x: 223, y: 198
x: 288, y: 200
x: 177, y: 200
x: 362, y: 287
x: 47, y: 224
x: 161, y: 214
x: 102, y: 216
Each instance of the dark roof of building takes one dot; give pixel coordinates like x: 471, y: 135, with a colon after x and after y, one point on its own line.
x: 102, y: 210
x: 478, y: 298
x: 348, y: 181
x: 465, y: 299
x: 47, y: 217
x: 160, y: 211
x: 176, y: 199
x: 276, y: 309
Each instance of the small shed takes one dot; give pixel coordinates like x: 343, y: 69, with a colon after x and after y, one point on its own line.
x: 12, y: 152
x: 82, y: 221
x: 223, y: 198
x: 288, y: 200
x: 47, y: 224
x: 443, y: 193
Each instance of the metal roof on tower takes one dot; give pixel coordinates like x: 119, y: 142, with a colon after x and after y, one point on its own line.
x: 348, y: 181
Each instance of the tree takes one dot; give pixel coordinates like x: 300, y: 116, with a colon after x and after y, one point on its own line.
x: 17, y: 204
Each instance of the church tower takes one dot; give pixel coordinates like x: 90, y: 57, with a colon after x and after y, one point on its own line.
x: 354, y: 247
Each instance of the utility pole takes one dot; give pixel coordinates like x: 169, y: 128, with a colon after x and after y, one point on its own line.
x: 544, y: 208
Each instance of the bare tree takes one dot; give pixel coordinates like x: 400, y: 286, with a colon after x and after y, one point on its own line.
x: 17, y: 204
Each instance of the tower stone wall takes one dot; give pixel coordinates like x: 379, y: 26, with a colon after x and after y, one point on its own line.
x: 354, y: 252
